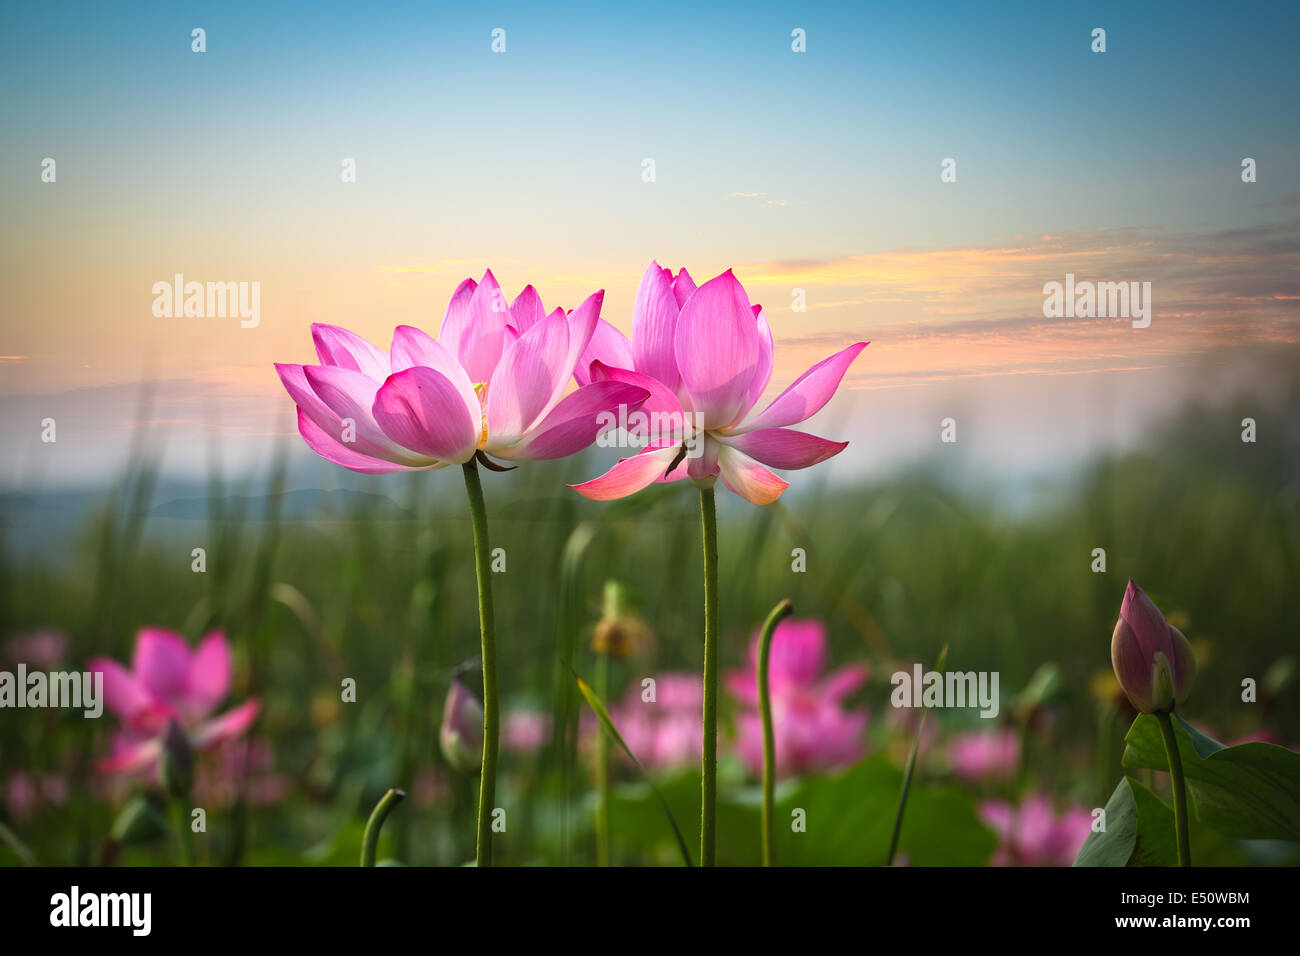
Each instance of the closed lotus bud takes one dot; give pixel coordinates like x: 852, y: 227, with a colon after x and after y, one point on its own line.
x: 461, y: 736
x: 176, y: 764
x: 1151, y: 657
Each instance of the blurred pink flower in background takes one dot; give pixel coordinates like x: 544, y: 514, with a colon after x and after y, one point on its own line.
x: 1033, y: 834
x: 25, y: 792
x: 493, y: 381
x: 526, y: 731
x: 665, y: 733
x: 812, y: 730
x: 44, y: 649
x: 240, y: 767
x: 981, y: 755
x: 167, y: 681
x: 709, y: 352
x: 429, y: 788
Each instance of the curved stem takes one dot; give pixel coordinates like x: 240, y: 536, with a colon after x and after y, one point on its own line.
x: 487, y: 635
x: 1179, y: 787
x: 709, y: 756
x: 782, y: 610
x: 370, y: 841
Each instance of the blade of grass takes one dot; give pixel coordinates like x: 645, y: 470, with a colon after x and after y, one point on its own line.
x: 911, y: 768
x: 603, y: 715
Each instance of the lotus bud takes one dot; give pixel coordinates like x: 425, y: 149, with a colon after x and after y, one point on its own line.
x: 461, y: 736
x: 619, y: 632
x: 1152, y: 659
x: 176, y: 763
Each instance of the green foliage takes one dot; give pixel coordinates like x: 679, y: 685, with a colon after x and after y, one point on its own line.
x: 1251, y: 791
x: 1139, y: 831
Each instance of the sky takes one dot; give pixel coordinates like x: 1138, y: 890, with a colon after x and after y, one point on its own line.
x: 816, y: 171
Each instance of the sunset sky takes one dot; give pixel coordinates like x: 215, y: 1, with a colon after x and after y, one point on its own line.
x: 816, y: 171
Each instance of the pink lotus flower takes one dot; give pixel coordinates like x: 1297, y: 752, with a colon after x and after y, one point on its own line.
x: 26, y: 792
x: 1153, y: 661
x: 240, y: 768
x: 666, y: 733
x: 43, y: 650
x: 493, y: 383
x: 169, y: 682
x: 526, y: 731
x: 982, y: 755
x: 709, y: 353
x: 811, y: 729
x: 1033, y: 835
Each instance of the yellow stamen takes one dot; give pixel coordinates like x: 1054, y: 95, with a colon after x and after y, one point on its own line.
x: 480, y: 389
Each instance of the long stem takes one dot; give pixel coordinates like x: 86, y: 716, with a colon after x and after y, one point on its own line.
x: 370, y: 840
x: 487, y: 635
x: 709, y: 757
x: 1179, y: 787
x: 782, y: 610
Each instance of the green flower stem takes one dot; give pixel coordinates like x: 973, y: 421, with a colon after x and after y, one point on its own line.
x: 183, y: 831
x: 1179, y: 787
x: 782, y: 610
x: 487, y: 635
x: 370, y: 841
x: 709, y: 758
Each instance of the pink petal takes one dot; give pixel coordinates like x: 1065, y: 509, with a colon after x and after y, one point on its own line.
x: 325, y: 433
x: 422, y: 410
x: 161, y: 663
x: 798, y: 653
x: 766, y: 349
x: 654, y: 325
x: 717, y: 349
x: 209, y: 676
x: 412, y: 347
x: 530, y: 374
x: 456, y: 319
x: 483, y: 338
x: 609, y: 346
x: 228, y: 726
x: 123, y: 694
x: 807, y: 395
x: 582, y: 328
x: 334, y: 451
x: 576, y: 421
x: 345, y: 349
x: 845, y: 681
x: 661, y: 400
x: 683, y: 287
x: 785, y: 447
x: 527, y: 310
x: 132, y: 756
x: 748, y: 478
x: 629, y: 476
x: 350, y: 396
